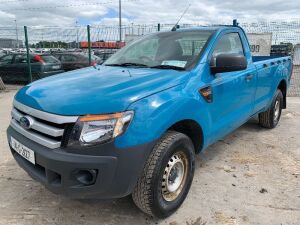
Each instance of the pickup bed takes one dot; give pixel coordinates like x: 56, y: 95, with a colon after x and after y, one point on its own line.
x: 134, y: 124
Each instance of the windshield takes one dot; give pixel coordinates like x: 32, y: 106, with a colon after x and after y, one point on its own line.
x: 170, y: 50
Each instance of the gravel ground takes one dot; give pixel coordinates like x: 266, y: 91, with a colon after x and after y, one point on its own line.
x: 250, y: 177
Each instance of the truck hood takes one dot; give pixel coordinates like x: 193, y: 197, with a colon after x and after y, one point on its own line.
x: 96, y: 90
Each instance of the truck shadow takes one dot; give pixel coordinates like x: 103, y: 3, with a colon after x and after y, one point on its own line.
x: 216, y: 150
x: 118, y: 211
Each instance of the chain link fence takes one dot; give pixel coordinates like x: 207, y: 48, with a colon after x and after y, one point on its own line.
x: 71, y: 45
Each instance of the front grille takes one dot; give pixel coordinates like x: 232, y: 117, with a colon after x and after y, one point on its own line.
x: 45, y: 128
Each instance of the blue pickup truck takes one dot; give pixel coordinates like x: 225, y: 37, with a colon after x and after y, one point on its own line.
x: 134, y: 124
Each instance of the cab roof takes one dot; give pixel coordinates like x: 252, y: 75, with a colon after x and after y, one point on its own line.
x: 209, y: 28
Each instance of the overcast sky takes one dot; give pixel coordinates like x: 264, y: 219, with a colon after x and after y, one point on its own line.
x: 67, y: 12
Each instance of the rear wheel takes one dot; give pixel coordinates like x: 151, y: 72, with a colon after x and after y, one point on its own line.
x: 270, y: 118
x: 167, y: 176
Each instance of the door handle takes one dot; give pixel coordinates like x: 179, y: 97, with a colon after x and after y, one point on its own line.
x: 248, y: 77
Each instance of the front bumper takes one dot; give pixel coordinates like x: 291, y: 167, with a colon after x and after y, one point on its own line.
x: 117, y: 170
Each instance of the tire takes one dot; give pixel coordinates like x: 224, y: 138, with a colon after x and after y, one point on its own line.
x: 270, y: 118
x: 152, y: 193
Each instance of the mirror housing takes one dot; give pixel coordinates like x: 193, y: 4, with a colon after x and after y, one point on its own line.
x: 228, y: 63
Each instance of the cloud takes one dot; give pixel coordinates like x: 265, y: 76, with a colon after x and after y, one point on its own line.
x: 142, y: 11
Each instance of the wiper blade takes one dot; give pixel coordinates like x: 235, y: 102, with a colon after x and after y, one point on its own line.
x: 167, y: 67
x: 113, y: 64
x: 127, y: 64
x: 134, y: 64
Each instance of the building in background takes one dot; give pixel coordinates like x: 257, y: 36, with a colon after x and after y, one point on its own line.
x: 260, y: 43
x: 10, y: 43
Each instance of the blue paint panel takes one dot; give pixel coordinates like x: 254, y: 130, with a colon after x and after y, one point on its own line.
x: 96, y: 91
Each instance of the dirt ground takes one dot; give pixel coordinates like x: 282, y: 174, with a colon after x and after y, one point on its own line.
x: 250, y: 177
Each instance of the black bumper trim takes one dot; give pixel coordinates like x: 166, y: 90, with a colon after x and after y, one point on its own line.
x: 118, y: 169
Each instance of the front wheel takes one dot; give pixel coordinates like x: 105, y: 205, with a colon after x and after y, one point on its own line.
x: 167, y: 176
x: 270, y: 118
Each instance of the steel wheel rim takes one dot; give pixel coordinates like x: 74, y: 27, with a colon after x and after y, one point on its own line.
x: 276, y: 110
x: 174, y: 177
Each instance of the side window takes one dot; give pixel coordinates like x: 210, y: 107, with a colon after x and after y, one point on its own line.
x: 20, y: 59
x: 58, y: 57
x: 229, y: 43
x: 69, y: 58
x: 5, y: 60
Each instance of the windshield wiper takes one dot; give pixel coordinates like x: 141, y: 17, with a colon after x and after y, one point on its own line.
x: 144, y: 65
x: 127, y: 64
x: 167, y: 67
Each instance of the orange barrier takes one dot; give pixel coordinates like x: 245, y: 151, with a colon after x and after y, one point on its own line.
x: 103, y: 44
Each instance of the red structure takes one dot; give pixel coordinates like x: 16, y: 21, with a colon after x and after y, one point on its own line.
x: 103, y: 44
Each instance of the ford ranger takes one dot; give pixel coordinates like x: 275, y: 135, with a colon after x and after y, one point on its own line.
x: 134, y: 124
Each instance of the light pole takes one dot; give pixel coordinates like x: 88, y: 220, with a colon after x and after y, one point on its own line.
x: 120, y: 20
x: 77, y: 38
x: 17, y: 35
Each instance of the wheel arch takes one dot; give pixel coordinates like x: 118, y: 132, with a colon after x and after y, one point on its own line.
x: 192, y: 129
x: 282, y: 86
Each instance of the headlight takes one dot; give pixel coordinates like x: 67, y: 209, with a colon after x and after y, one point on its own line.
x: 97, y: 129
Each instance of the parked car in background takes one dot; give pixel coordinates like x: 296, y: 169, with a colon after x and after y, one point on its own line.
x: 104, y: 54
x: 283, y: 49
x: 41, y: 51
x: 5, y: 51
x: 74, y: 60
x: 13, y: 67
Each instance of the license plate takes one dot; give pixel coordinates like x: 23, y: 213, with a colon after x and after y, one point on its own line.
x: 22, y: 150
x: 55, y: 67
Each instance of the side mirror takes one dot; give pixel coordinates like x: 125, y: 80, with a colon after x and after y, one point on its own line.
x: 228, y: 63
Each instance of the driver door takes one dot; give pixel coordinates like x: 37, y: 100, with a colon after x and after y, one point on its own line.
x: 233, y: 92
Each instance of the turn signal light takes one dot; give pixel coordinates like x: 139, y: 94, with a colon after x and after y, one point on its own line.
x: 101, y: 117
x: 206, y: 93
